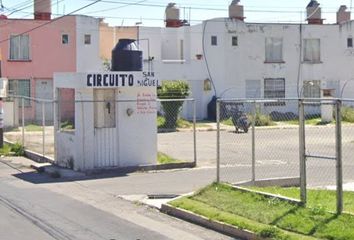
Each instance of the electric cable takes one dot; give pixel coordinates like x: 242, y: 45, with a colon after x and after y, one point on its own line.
x: 49, y: 22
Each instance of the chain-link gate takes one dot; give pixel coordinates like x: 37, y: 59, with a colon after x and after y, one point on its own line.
x: 284, y: 142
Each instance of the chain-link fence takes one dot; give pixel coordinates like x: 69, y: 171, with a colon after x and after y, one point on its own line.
x: 29, y: 122
x: 176, y: 122
x: 286, y: 142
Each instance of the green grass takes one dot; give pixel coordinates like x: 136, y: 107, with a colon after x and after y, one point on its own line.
x: 33, y: 128
x: 317, y: 198
x: 165, y: 159
x: 181, y: 123
x: 263, y: 215
x: 67, y: 125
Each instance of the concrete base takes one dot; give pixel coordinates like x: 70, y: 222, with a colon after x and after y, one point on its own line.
x: 205, y: 222
x: 277, y: 182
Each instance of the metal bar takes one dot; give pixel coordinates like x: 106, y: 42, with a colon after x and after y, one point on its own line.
x: 43, y: 128
x: 195, y: 131
x: 302, y: 146
x: 320, y: 103
x: 321, y: 157
x: 339, y: 170
x: 218, y: 141
x: 23, y: 120
x: 254, y: 142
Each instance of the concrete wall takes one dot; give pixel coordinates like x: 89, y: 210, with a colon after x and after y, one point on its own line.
x: 133, y: 140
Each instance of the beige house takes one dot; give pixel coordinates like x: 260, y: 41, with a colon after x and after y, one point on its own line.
x: 109, y: 37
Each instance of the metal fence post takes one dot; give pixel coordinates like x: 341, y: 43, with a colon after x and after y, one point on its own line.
x: 339, y: 170
x: 254, y: 142
x: 23, y: 120
x: 218, y: 141
x: 302, y: 149
x: 43, y: 127
x: 194, y: 131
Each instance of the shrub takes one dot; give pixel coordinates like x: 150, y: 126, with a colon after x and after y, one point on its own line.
x: 172, y: 90
x: 16, y: 149
x: 348, y: 114
x: 261, y: 119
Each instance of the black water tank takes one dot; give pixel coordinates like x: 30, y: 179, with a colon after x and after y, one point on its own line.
x: 126, y: 56
x: 212, y: 109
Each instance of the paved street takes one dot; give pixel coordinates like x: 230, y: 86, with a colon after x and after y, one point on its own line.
x: 40, y: 208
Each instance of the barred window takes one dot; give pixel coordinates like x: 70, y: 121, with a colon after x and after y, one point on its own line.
x: 274, y: 88
x: 312, y: 89
x: 21, y: 88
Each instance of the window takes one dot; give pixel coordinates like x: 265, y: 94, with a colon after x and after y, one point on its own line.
x: 21, y: 88
x: 350, y: 42
x: 274, y: 50
x: 274, y: 88
x: 19, y: 47
x: 312, y: 50
x: 65, y: 39
x: 87, y: 40
x: 234, y: 41
x: 214, y: 40
x: 312, y: 89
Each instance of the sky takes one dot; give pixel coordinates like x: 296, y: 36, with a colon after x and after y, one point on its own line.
x: 152, y: 12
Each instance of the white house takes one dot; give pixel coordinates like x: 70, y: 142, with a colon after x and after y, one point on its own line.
x: 254, y: 60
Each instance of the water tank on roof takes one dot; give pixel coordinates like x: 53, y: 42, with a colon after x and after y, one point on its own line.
x: 126, y: 56
x: 172, y: 12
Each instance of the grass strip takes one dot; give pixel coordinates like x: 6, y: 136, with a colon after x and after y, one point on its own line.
x: 224, y: 203
x: 316, y: 198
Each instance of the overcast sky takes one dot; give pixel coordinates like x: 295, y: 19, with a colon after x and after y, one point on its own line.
x: 151, y: 12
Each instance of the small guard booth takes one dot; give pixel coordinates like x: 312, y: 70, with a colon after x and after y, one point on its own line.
x: 111, y: 118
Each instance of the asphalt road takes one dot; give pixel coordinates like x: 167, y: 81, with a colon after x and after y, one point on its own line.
x: 276, y: 152
x: 34, y: 206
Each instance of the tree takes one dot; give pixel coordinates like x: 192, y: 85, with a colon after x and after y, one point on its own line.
x: 172, y: 90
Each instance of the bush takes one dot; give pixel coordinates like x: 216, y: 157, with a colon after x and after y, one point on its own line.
x: 16, y: 149
x: 261, y: 119
x: 348, y: 114
x: 172, y: 90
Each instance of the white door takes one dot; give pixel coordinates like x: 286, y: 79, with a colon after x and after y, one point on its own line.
x: 106, y: 140
x: 44, y: 90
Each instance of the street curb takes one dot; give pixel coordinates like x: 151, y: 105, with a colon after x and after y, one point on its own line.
x: 168, y: 166
x: 205, y: 222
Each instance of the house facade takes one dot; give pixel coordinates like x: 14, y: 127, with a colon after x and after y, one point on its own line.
x: 230, y: 58
x: 33, y: 49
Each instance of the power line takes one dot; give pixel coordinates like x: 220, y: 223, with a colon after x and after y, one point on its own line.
x: 54, y: 20
x: 110, y: 9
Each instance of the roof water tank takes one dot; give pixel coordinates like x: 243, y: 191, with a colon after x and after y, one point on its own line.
x: 42, y: 9
x: 172, y: 12
x: 236, y: 10
x: 126, y: 56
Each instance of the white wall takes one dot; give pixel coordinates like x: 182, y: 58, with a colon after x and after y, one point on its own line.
x: 133, y: 140
x: 231, y: 66
x: 87, y: 55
